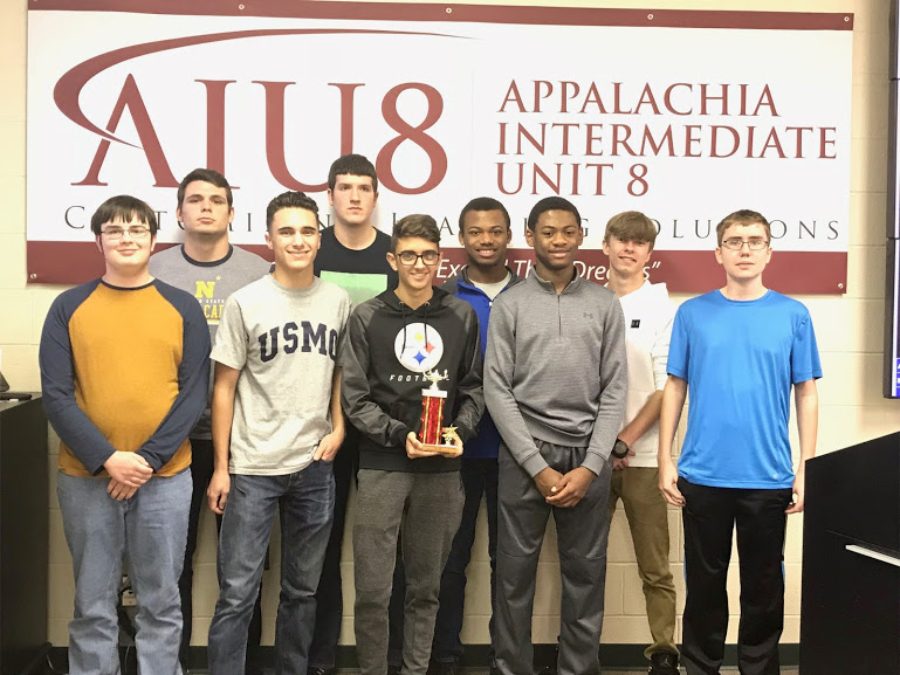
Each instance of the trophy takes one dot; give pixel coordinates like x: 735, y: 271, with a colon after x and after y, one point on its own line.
x: 431, y: 433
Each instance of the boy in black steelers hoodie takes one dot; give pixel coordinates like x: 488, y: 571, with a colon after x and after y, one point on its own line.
x: 391, y: 343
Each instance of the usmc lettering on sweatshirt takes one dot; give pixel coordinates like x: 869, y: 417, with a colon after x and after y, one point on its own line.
x: 418, y: 347
x: 319, y: 338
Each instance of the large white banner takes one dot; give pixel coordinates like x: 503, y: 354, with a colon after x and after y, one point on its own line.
x: 686, y: 116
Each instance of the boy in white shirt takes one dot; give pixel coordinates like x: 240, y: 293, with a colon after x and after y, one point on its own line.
x: 628, y: 242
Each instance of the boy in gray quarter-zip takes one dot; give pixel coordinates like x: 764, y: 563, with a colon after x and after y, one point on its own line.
x: 555, y: 380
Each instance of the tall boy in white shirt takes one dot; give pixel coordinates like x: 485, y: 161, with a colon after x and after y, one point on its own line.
x: 628, y: 242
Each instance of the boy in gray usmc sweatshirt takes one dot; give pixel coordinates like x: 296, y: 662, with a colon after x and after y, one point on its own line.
x: 554, y: 382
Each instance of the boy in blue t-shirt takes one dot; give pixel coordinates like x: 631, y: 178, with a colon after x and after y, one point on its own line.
x: 739, y: 350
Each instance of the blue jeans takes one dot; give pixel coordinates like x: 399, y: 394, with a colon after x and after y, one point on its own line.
x: 201, y: 472
x: 329, y: 594
x: 151, y: 529
x: 479, y: 477
x: 306, y: 502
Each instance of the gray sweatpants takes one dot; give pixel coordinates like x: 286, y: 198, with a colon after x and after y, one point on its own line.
x: 581, y: 533
x: 425, y: 509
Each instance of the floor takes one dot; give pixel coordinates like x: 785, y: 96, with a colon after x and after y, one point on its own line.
x: 484, y: 671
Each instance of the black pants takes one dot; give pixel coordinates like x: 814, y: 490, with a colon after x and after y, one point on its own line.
x: 201, y: 471
x: 710, y: 515
x: 329, y: 596
x: 479, y: 478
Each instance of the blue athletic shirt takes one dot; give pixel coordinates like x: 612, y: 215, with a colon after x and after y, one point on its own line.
x: 740, y: 359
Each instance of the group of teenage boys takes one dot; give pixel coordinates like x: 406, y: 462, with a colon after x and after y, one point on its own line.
x: 564, y: 395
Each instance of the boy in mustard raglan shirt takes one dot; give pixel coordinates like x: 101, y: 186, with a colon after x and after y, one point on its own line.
x: 124, y: 369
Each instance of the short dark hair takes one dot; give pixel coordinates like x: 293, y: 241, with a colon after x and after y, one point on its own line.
x: 631, y: 226
x: 483, y: 204
x: 290, y: 200
x: 125, y: 208
x: 416, y: 225
x: 742, y: 217
x: 353, y: 165
x: 207, y: 176
x: 552, y: 204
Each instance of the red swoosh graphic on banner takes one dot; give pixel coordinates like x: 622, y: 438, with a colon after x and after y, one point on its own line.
x: 67, y: 92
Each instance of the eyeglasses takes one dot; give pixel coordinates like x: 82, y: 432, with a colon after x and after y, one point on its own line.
x: 409, y: 258
x: 754, y: 244
x: 135, y: 232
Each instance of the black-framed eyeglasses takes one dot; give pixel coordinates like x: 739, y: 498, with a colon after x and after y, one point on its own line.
x: 754, y: 243
x: 409, y: 258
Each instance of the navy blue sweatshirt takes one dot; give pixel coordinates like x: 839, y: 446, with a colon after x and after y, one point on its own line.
x: 486, y: 443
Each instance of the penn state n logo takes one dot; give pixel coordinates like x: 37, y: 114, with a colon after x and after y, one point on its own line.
x: 418, y: 348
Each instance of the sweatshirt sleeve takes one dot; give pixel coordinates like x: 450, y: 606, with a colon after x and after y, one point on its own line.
x: 613, y: 385
x: 469, y: 391
x: 193, y: 383
x: 75, y: 429
x: 499, y: 366
x: 356, y: 395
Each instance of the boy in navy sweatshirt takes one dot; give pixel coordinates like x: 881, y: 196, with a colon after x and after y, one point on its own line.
x: 484, y: 232
x: 392, y: 342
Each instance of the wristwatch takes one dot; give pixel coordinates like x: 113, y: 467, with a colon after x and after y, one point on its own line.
x: 620, y: 449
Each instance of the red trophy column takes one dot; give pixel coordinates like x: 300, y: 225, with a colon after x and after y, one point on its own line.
x: 432, y: 416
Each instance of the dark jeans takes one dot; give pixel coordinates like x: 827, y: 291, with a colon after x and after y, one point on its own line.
x: 479, y: 477
x: 329, y: 595
x: 710, y: 515
x: 201, y: 471
x: 305, y: 501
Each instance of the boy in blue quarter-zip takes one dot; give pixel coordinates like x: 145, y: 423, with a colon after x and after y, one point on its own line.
x: 739, y: 350
x: 555, y: 380
x: 484, y: 232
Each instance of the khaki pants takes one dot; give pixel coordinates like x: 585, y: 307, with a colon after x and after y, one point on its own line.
x: 646, y: 510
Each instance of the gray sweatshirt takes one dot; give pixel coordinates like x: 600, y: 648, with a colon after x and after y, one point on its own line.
x: 211, y: 283
x: 555, y: 370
